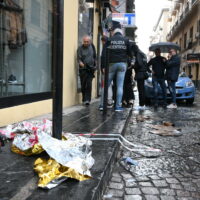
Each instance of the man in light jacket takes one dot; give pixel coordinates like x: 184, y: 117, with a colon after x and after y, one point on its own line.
x: 87, y: 65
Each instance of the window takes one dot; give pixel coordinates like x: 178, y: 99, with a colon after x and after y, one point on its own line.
x: 85, y: 25
x: 25, y: 48
x: 191, y: 33
x: 35, y: 12
x: 185, y: 40
x: 189, y: 70
x: 180, y: 42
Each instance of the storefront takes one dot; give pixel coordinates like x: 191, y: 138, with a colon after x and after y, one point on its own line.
x: 193, y: 63
x: 29, y: 47
x: 26, y: 46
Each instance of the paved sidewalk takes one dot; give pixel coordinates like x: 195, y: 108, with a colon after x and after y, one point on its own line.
x: 172, y: 174
x: 19, y: 182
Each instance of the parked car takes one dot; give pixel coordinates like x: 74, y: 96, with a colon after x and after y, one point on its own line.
x: 185, y: 89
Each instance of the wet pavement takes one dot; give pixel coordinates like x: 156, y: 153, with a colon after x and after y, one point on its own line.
x: 170, y: 169
x: 18, y: 181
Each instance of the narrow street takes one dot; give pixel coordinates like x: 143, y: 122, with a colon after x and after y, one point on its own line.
x: 169, y: 174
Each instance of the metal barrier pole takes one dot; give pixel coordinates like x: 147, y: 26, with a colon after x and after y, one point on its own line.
x: 58, y: 71
x: 105, y: 97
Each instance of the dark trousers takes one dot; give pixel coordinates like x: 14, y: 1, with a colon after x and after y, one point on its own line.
x: 141, y: 91
x: 156, y: 82
x: 86, y: 84
x: 172, y: 90
x: 128, y: 93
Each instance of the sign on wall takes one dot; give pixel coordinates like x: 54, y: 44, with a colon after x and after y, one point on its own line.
x: 125, y: 19
x: 193, y: 58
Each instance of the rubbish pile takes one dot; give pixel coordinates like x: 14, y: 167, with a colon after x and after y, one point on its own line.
x: 141, y: 118
x: 1, y: 142
x: 164, y: 129
x: 69, y: 158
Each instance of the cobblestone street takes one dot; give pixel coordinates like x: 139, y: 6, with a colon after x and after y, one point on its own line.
x: 169, y: 174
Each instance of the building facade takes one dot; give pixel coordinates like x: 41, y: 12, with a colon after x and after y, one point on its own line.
x: 184, y: 18
x: 27, y: 53
x: 126, y: 6
x: 161, y: 28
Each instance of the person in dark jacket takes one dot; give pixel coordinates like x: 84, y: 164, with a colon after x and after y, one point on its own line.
x: 119, y: 50
x: 128, y: 94
x: 140, y: 68
x: 87, y: 65
x: 158, y: 64
x: 172, y: 73
x: 110, y: 89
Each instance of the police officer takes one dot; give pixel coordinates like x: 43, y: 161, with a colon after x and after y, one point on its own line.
x: 119, y: 48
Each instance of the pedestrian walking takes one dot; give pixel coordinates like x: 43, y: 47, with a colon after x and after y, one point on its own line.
x: 158, y: 64
x: 119, y: 50
x: 141, y: 74
x: 87, y: 66
x: 172, y: 73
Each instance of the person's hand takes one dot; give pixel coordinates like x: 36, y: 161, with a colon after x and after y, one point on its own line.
x: 81, y: 64
x: 164, y: 59
x: 169, y: 56
x: 129, y: 67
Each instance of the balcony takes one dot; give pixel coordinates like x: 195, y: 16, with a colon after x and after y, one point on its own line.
x: 175, y: 8
x: 181, y: 17
x: 187, y: 9
x: 176, y: 24
x: 184, y: 18
x: 177, y: 5
x: 173, y: 12
x: 169, y: 19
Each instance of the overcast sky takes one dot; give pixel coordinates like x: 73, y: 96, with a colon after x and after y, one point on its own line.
x: 147, y: 13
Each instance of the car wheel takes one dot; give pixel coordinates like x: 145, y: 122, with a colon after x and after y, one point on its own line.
x: 190, y: 101
x: 147, y: 101
x: 179, y: 101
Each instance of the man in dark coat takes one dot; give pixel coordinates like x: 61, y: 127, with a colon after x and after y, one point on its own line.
x: 172, y: 73
x: 158, y: 64
x: 140, y: 68
x: 128, y: 94
x: 87, y: 62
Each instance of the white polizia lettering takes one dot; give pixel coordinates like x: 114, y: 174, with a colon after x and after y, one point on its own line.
x: 118, y: 47
x: 117, y: 42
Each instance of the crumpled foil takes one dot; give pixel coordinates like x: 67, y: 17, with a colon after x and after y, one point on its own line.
x: 24, y: 135
x: 27, y: 127
x: 74, y: 153
x: 51, y: 173
x: 26, y: 144
x: 36, y: 149
x: 70, y: 157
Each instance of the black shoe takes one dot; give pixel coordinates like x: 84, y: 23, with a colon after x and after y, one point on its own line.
x: 109, y: 105
x: 87, y: 103
x: 155, y: 105
x: 12, y: 79
x: 129, y: 105
x: 164, y: 106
